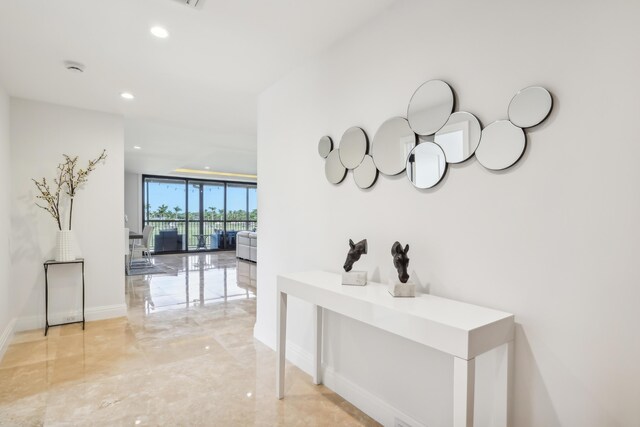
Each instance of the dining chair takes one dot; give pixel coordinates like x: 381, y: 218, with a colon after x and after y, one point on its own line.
x: 142, y: 250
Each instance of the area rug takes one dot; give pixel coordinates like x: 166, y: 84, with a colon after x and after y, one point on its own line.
x: 140, y: 268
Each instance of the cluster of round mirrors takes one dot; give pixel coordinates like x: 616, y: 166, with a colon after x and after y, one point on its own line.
x: 433, y: 136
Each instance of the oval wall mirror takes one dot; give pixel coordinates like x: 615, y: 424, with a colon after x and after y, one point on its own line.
x: 530, y: 106
x: 353, y: 147
x: 391, y: 145
x: 325, y: 145
x: 459, y: 137
x: 426, y: 165
x: 501, y: 145
x: 430, y: 107
x: 366, y: 173
x: 334, y: 169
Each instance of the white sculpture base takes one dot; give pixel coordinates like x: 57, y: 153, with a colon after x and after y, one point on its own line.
x: 399, y: 289
x: 354, y: 278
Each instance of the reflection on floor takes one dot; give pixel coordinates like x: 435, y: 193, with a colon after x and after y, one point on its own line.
x: 185, y: 355
x: 199, y: 279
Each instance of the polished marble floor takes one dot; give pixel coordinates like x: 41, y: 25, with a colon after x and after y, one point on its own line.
x: 184, y: 355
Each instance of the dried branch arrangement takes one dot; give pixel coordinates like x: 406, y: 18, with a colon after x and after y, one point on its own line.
x: 69, y: 178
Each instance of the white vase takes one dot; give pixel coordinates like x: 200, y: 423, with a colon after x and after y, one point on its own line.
x: 65, y: 246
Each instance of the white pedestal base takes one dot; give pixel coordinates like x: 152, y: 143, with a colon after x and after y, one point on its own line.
x: 354, y: 278
x: 399, y: 289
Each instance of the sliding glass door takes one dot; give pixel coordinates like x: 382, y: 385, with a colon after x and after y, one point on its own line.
x: 197, y: 214
x: 213, y: 225
x: 165, y: 210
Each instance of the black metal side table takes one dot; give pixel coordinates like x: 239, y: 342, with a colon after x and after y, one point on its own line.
x: 46, y: 292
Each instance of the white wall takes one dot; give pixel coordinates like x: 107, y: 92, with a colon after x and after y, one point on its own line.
x: 40, y: 134
x: 6, y: 305
x: 133, y: 200
x: 553, y: 240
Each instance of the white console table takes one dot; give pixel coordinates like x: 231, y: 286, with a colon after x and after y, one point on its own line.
x: 462, y: 330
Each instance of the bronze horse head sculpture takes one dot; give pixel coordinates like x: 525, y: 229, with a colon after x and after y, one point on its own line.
x: 400, y: 260
x: 355, y: 251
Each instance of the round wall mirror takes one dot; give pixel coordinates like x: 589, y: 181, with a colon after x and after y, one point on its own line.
x: 353, y: 147
x: 325, y: 145
x: 366, y: 174
x: 530, y: 106
x: 430, y: 107
x: 459, y: 137
x: 391, y: 145
x: 501, y: 145
x: 426, y: 165
x: 333, y: 168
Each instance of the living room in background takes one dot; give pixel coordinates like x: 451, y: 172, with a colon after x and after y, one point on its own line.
x: 195, y: 214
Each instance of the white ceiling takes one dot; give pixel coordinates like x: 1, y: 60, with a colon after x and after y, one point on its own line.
x: 200, y: 85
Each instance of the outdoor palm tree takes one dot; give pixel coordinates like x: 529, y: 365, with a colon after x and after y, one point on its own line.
x: 177, y: 209
x: 162, y: 210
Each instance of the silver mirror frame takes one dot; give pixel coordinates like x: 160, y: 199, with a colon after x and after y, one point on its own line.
x: 501, y: 146
x: 392, y: 144
x: 418, y: 153
x: 334, y: 170
x: 325, y: 146
x: 469, y: 125
x: 530, y: 107
x: 366, y: 174
x: 354, y: 145
x: 430, y: 107
x: 439, y: 137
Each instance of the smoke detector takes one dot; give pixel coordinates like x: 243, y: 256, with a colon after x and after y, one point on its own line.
x: 191, y: 3
x: 76, y: 67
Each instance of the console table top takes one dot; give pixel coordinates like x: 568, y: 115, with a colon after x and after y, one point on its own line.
x: 462, y: 329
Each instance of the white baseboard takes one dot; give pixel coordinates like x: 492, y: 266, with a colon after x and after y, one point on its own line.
x: 106, y: 312
x: 368, y: 403
x: 27, y: 323
x: 265, y: 336
x: 6, y: 336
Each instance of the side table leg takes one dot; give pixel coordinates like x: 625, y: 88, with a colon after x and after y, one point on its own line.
x: 83, y: 295
x: 46, y: 299
x: 464, y: 372
x: 281, y: 343
x: 317, y: 342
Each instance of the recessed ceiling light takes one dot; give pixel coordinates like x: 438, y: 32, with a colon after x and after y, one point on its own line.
x: 127, y: 95
x: 137, y: 147
x: 207, y: 167
x: 159, y: 32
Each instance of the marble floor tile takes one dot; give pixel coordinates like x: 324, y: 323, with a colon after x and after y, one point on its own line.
x: 184, y: 355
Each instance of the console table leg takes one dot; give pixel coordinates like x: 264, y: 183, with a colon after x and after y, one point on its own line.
x: 281, y: 342
x: 508, y: 383
x: 464, y: 372
x: 317, y: 341
x: 504, y: 380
